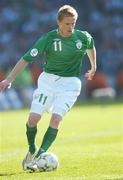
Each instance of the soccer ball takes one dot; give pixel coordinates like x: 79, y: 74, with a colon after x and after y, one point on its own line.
x: 47, y: 162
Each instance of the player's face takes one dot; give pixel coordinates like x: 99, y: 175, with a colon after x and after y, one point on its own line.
x: 66, y: 26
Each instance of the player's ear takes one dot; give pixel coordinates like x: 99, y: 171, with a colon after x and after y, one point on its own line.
x: 59, y: 24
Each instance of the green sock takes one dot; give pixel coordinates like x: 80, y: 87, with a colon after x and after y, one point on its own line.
x: 31, y: 133
x: 48, y: 139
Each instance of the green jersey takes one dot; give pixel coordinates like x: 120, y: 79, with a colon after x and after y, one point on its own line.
x: 63, y: 55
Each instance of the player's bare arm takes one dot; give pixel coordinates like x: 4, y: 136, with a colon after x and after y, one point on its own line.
x: 6, y: 83
x: 92, y: 57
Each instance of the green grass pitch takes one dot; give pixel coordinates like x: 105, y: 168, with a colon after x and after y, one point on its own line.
x: 89, y: 144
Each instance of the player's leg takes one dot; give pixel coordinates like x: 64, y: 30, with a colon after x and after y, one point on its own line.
x: 31, y: 130
x: 42, y: 100
x: 65, y: 98
x: 50, y: 134
x: 48, y: 139
x: 61, y: 106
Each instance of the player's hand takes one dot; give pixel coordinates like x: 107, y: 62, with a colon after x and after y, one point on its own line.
x: 90, y: 74
x: 4, y: 84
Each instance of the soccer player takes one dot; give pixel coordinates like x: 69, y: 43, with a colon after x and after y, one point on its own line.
x: 59, y: 84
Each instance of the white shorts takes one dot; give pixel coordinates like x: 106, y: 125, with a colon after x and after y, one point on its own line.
x: 55, y: 94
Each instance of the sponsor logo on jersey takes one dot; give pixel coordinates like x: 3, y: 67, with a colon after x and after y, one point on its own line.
x: 78, y: 44
x: 34, y: 52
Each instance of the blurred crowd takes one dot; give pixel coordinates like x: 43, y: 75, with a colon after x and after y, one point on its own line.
x: 23, y: 22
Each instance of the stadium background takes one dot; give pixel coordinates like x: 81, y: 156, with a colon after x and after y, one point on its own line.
x: 23, y: 22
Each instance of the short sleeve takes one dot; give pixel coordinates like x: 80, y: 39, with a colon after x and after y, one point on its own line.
x: 34, y: 53
x: 90, y: 41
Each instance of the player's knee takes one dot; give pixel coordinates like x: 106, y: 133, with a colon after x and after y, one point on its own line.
x: 55, y: 120
x: 33, y: 119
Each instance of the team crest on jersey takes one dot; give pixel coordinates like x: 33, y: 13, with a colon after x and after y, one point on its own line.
x: 78, y: 44
x: 34, y: 52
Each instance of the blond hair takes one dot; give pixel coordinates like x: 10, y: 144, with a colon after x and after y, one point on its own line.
x: 66, y: 11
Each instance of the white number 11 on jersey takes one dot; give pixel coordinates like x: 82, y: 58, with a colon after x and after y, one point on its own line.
x: 57, y: 46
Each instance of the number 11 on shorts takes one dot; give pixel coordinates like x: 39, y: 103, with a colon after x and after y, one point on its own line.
x: 42, y: 99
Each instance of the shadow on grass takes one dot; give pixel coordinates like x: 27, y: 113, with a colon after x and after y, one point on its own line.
x: 9, y: 174
x: 12, y: 174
